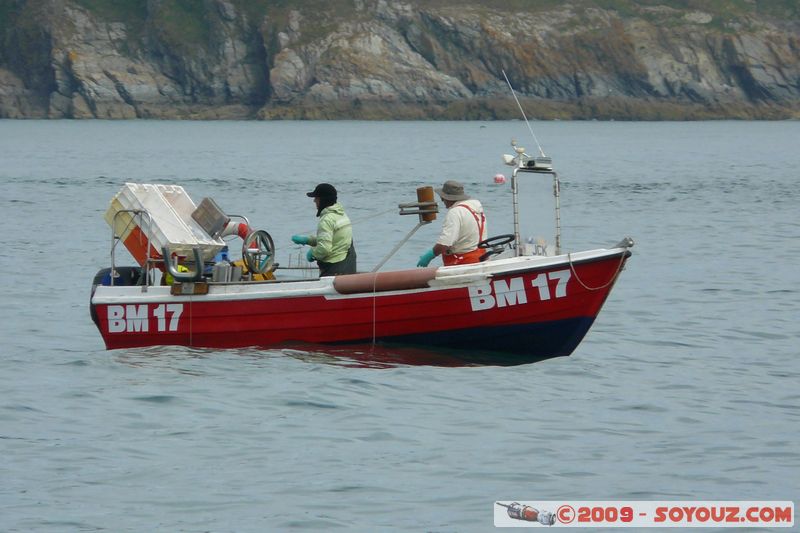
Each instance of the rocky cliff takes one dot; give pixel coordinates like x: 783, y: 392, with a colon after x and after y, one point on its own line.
x: 412, y: 59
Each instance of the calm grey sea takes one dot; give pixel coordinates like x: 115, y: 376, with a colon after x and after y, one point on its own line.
x: 687, y: 387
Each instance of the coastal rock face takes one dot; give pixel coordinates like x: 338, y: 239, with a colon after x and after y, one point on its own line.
x: 381, y: 59
x: 95, y: 68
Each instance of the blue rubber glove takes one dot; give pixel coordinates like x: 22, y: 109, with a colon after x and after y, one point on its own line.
x: 310, y: 255
x: 426, y: 258
x: 299, y: 239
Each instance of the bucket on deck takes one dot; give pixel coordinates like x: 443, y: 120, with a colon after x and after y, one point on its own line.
x: 224, y: 272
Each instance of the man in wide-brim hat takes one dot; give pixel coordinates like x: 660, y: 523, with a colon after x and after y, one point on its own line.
x: 463, y: 228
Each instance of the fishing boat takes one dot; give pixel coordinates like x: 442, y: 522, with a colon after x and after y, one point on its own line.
x: 520, y: 304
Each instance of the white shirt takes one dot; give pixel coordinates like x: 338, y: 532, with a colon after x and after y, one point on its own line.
x: 460, y: 230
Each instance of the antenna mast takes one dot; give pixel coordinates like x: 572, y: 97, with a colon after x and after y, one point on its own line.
x: 514, y: 94
x: 540, y: 165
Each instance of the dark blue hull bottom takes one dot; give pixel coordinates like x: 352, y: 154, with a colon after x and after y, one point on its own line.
x: 504, y: 345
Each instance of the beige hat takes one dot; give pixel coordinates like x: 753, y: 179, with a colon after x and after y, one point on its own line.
x: 452, y: 190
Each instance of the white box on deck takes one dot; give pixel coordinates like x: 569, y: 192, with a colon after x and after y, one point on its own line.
x: 170, y: 209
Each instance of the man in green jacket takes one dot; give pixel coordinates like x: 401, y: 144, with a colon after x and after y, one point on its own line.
x: 332, y: 247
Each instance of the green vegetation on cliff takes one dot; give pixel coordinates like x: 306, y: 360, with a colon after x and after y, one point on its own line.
x: 182, y: 25
x: 133, y: 12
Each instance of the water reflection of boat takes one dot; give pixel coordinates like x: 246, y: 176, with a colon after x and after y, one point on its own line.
x: 519, y: 305
x: 376, y: 355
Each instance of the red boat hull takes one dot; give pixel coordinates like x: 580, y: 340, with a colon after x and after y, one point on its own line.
x: 528, y: 311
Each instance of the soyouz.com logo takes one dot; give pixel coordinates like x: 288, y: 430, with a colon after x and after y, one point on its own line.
x: 644, y: 514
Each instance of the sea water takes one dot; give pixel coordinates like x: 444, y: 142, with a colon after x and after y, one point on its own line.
x: 687, y: 386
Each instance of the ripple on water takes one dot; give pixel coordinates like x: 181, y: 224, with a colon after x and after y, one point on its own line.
x: 685, y: 388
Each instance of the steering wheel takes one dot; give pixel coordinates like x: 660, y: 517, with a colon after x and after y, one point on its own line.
x: 497, y: 240
x: 495, y: 245
x: 258, y: 252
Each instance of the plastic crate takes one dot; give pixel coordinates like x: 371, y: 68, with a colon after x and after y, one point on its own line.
x: 210, y: 217
x: 171, y: 223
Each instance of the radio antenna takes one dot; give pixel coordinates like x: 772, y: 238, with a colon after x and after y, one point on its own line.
x: 541, y: 152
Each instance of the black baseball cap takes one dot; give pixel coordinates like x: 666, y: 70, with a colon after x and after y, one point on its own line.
x: 323, y: 190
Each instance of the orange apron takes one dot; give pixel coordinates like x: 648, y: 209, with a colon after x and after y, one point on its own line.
x: 473, y: 256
